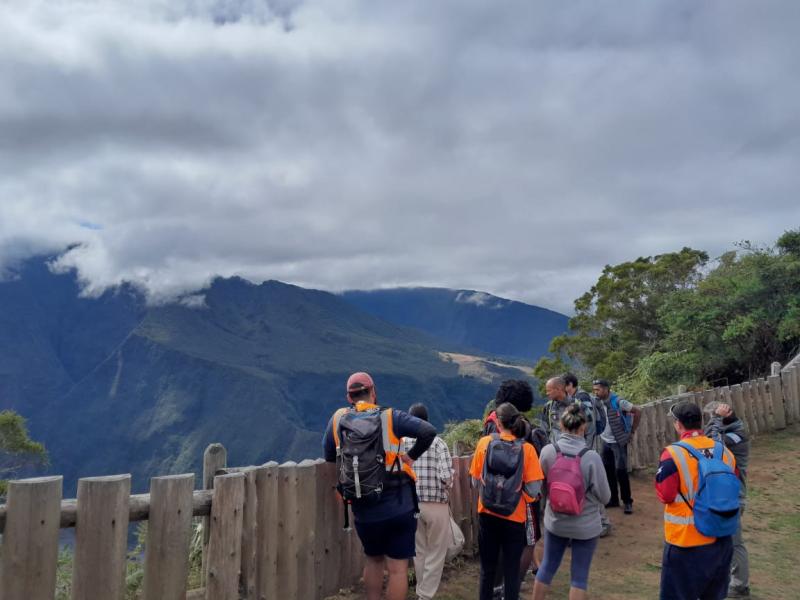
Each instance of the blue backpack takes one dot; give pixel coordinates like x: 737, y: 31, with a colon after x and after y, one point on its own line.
x: 627, y: 418
x: 716, y: 500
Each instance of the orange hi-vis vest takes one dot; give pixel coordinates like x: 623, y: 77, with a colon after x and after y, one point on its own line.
x: 392, y: 445
x: 679, y: 529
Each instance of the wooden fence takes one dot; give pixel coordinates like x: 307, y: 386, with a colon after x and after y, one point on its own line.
x: 271, y: 531
x: 765, y: 405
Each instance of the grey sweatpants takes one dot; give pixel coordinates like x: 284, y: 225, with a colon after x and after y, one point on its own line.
x: 740, y: 565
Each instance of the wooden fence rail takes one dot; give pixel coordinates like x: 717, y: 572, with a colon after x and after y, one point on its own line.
x: 271, y: 531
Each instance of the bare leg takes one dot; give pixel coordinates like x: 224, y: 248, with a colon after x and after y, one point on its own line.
x: 373, y: 577
x: 397, y: 589
x: 577, y: 594
x: 540, y: 590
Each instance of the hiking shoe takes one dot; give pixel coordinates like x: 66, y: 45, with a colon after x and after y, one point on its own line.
x: 628, y: 508
x: 499, y: 593
x: 606, y: 530
x: 738, y: 592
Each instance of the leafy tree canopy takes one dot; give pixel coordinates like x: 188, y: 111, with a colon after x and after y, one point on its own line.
x: 17, y: 449
x: 656, y: 322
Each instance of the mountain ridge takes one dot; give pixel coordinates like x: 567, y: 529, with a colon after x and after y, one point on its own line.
x: 111, y: 384
x: 466, y: 318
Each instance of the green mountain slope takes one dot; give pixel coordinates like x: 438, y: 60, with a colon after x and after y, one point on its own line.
x: 112, y: 385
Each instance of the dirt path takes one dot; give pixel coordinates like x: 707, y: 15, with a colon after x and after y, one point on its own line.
x: 628, y: 562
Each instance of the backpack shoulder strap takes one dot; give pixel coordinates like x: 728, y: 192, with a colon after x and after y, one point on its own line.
x: 558, y: 450
x: 337, y: 416
x: 690, y: 449
x: 582, y: 452
x: 719, y: 451
x: 683, y: 468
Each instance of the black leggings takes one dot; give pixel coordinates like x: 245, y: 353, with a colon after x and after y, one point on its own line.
x: 495, y: 534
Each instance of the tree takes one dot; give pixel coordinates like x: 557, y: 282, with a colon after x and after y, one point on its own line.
x: 616, y: 322
x: 17, y: 449
x: 742, y: 316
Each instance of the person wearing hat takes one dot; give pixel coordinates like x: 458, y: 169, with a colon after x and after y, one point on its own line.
x: 693, y: 565
x: 621, y: 418
x: 387, y: 526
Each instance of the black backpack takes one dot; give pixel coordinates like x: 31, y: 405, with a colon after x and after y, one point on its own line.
x: 501, y: 480
x: 360, y: 457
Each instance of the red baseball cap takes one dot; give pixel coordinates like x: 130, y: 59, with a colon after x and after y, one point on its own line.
x: 359, y: 381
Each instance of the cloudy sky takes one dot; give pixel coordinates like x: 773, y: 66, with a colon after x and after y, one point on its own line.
x: 513, y: 147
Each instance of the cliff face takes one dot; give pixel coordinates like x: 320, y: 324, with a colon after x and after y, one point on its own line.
x: 112, y: 385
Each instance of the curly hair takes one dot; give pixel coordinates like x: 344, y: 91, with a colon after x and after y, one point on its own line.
x: 516, y: 392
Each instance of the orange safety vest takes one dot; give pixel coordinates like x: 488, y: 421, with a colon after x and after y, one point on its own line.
x: 392, y: 445
x: 679, y: 529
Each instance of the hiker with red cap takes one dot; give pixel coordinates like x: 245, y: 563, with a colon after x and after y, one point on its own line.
x: 376, y: 479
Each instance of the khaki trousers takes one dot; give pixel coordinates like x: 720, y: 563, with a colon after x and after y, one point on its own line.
x: 433, y: 538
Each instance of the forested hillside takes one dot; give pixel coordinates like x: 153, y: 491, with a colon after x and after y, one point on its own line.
x: 110, y: 384
x: 683, y: 318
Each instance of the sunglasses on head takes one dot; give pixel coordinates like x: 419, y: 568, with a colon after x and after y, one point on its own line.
x: 359, y: 392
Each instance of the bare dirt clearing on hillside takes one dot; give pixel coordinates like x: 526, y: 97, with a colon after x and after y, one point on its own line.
x: 628, y: 563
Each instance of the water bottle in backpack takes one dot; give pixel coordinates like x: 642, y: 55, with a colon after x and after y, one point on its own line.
x: 566, y: 492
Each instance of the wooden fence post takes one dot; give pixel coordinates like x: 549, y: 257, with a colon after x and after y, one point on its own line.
x: 766, y: 403
x: 267, y: 526
x: 777, y: 407
x: 737, y: 402
x: 328, y: 528
x: 305, y: 508
x: 169, y: 532
x: 652, y: 434
x: 790, y: 393
x: 30, y: 539
x: 748, y: 398
x: 469, y: 505
x: 215, y: 458
x: 225, y: 542
x: 101, y: 538
x: 247, y: 584
x: 287, y: 530
x: 759, y: 406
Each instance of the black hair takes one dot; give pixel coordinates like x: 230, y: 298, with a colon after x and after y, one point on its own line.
x: 570, y: 379
x: 419, y: 410
x: 573, y: 417
x: 516, y: 392
x: 511, y: 419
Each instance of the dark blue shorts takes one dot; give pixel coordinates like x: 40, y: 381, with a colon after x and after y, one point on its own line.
x: 392, y: 537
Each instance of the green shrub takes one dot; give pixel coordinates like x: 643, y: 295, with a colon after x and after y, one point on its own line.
x: 465, y: 434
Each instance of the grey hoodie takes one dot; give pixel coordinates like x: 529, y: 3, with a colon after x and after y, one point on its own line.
x: 586, y: 525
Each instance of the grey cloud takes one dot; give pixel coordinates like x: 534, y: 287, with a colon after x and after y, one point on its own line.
x: 513, y: 148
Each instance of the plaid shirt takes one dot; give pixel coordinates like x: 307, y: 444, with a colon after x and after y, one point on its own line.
x: 434, y: 471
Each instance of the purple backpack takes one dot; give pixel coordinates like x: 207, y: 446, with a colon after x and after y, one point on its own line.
x: 565, y: 489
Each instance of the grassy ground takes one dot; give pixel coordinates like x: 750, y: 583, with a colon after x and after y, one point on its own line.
x: 628, y: 562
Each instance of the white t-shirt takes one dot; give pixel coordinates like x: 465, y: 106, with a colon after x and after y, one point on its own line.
x: 608, y: 436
